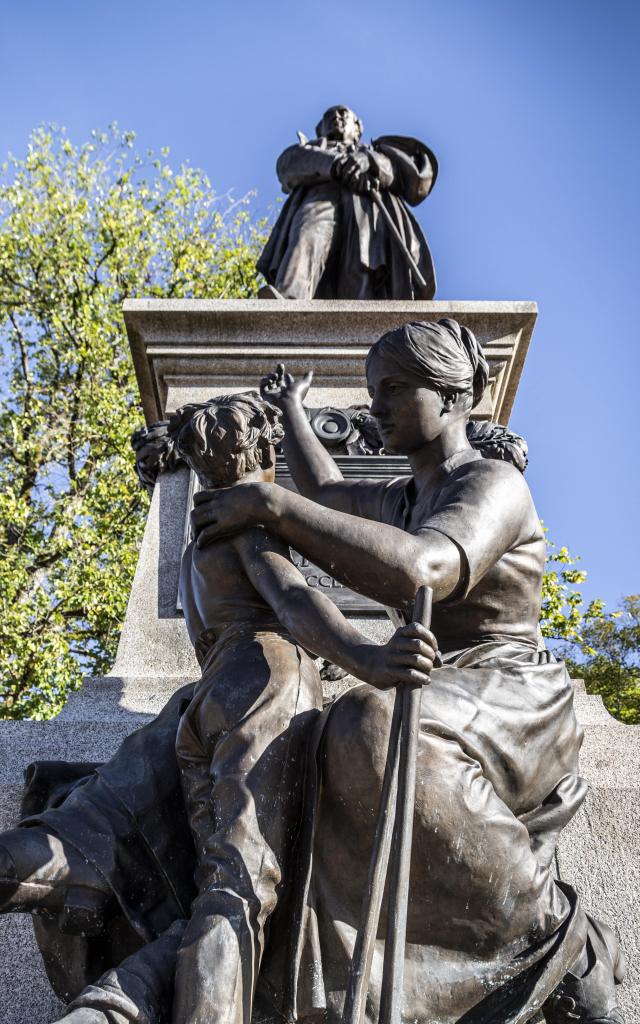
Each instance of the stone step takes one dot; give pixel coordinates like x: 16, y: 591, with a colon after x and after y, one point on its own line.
x: 610, y: 756
x: 109, y: 697
x: 590, y: 710
x: 10, y: 799
x: 99, y: 716
x: 23, y: 742
x: 26, y: 996
x: 610, y: 753
x: 148, y: 694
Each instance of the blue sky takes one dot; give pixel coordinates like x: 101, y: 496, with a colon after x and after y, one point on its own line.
x: 532, y: 111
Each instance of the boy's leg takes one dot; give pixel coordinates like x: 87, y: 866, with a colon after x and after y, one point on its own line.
x: 104, y: 830
x: 244, y: 802
x: 140, y: 989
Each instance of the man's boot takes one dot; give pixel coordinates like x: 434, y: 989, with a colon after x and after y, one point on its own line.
x: 40, y: 874
x: 269, y: 292
x: 586, y: 994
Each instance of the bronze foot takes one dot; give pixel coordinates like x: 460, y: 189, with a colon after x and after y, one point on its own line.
x: 39, y: 874
x: 586, y: 994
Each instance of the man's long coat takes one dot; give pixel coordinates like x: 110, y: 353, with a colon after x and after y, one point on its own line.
x: 366, y: 247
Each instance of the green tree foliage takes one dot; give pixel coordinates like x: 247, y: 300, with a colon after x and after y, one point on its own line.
x: 603, y: 648
x: 562, y: 611
x: 82, y: 229
x: 609, y: 661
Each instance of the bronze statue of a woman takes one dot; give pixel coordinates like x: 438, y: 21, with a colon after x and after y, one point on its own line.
x: 492, y: 936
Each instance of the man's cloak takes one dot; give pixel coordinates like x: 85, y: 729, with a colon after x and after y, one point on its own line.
x: 367, y: 249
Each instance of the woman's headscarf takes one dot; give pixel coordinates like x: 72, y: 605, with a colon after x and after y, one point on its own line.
x: 444, y: 353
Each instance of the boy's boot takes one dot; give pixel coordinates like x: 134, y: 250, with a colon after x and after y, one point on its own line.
x: 40, y: 874
x: 139, y: 990
x: 586, y: 994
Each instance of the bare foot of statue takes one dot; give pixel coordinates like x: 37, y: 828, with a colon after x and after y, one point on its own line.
x: 40, y: 874
x: 586, y: 994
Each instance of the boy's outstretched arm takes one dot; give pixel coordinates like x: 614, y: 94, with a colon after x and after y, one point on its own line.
x: 315, y: 622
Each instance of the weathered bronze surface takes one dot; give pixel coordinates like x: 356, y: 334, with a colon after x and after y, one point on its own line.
x: 345, y: 231
x: 155, y: 453
x: 492, y: 936
x: 352, y: 437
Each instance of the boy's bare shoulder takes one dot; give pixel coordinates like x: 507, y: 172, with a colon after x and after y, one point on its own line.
x: 256, y: 541
x: 248, y: 546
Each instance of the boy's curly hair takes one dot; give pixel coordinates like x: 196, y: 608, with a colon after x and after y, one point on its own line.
x: 226, y: 437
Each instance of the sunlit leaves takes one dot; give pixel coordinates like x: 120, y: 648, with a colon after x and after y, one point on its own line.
x: 610, y: 661
x: 562, y: 600
x: 81, y: 229
x: 601, y: 647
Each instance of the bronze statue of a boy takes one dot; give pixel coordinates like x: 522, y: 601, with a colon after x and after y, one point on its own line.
x: 241, y: 741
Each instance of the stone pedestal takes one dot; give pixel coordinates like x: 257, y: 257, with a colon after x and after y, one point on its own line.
x: 187, y: 350
x: 190, y: 350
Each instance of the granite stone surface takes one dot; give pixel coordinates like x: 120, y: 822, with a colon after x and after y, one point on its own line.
x: 188, y: 349
x: 154, y: 641
x: 599, y: 851
x: 25, y: 994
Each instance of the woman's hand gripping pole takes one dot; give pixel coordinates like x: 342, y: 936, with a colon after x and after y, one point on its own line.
x: 392, y: 841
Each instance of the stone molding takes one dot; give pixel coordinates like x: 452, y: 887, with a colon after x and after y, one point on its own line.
x: 185, y: 349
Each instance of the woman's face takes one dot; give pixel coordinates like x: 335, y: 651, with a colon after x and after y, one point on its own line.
x: 409, y: 414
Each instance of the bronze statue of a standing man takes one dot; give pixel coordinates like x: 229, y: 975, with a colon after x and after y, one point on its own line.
x: 345, y: 231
